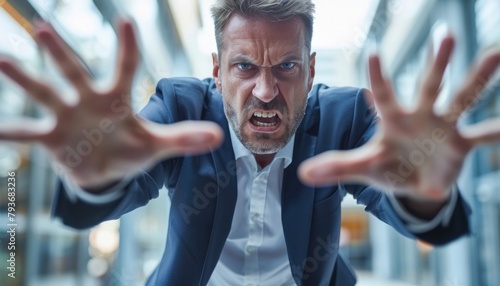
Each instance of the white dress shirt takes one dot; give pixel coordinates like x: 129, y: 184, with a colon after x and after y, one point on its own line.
x: 255, y: 250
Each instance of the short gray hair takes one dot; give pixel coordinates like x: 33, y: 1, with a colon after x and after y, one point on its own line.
x: 278, y: 10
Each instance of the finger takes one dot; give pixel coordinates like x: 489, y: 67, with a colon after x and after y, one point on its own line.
x: 485, y: 132
x: 432, y: 80
x: 39, y: 91
x: 24, y: 130
x: 467, y: 96
x: 186, y: 137
x: 383, y: 95
x: 330, y: 167
x: 430, y: 52
x: 128, y: 57
x: 64, y: 58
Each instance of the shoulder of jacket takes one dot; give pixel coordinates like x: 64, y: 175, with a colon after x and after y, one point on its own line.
x: 185, y: 84
x: 323, y: 96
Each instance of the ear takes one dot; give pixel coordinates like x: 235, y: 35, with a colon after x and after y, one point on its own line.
x: 312, y: 70
x: 216, y: 72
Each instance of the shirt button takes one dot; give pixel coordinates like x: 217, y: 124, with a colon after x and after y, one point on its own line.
x: 250, y: 249
x: 255, y: 217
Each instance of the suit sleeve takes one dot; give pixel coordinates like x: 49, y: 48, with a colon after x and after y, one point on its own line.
x: 378, y: 203
x: 175, y: 100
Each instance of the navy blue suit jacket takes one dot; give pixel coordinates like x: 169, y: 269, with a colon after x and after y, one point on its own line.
x: 203, y: 189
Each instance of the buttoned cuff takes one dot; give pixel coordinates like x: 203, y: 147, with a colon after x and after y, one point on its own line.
x: 75, y: 193
x: 417, y: 225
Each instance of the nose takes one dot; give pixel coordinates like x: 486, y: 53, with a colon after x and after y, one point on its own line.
x: 265, y: 88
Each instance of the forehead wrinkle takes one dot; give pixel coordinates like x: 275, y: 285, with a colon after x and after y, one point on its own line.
x: 264, y: 41
x: 270, y: 55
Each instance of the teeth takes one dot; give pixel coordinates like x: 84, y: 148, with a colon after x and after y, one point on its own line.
x: 265, y: 124
x: 264, y: 114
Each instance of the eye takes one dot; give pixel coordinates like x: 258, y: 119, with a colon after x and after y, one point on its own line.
x: 244, y: 66
x: 287, y: 66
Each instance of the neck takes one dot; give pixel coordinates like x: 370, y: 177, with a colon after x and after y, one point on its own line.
x: 264, y: 159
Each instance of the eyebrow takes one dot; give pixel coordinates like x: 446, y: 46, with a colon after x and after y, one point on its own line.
x: 291, y: 58
x: 243, y: 58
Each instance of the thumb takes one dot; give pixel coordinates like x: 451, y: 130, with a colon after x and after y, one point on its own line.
x: 332, y: 166
x: 186, y: 137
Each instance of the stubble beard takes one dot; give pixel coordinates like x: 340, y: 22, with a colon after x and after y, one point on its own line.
x: 264, y: 144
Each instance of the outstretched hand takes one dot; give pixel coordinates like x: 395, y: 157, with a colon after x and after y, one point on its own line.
x: 98, y: 139
x: 416, y: 153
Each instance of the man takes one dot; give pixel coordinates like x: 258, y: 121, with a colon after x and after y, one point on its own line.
x: 240, y: 214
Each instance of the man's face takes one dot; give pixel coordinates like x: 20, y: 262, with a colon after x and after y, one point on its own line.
x: 264, y: 75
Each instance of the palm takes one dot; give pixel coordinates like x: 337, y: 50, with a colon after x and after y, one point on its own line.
x: 417, y: 152
x: 98, y: 139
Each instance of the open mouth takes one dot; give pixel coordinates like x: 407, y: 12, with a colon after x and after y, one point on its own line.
x: 265, y: 119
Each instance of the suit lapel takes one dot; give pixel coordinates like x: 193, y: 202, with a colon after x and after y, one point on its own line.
x: 225, y: 170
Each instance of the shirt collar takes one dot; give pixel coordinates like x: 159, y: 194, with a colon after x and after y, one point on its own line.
x: 241, y: 151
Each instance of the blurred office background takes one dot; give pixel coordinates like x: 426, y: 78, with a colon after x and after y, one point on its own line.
x: 176, y: 39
